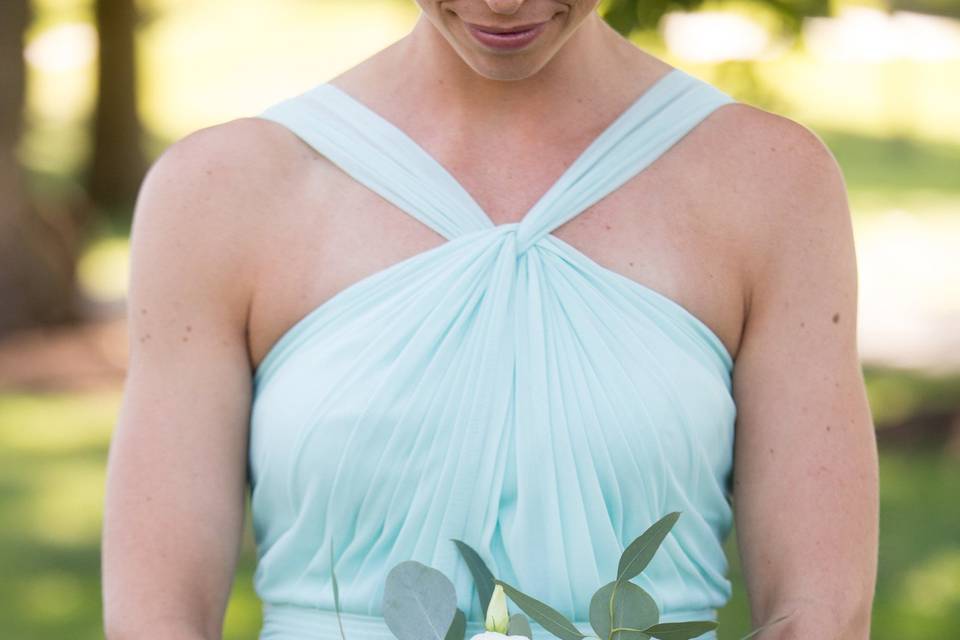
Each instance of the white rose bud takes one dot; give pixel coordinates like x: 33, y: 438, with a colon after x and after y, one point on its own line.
x: 498, y: 618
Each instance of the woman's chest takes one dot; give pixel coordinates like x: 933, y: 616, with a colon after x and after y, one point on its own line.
x: 657, y: 230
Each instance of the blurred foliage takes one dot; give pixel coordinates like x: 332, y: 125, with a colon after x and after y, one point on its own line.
x: 889, y: 172
x: 949, y: 8
x: 896, y: 394
x: 628, y: 15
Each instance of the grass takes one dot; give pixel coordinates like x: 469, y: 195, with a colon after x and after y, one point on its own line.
x: 53, y: 450
x: 890, y: 172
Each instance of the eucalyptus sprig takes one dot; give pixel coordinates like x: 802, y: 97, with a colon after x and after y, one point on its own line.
x: 619, y: 610
x: 420, y: 603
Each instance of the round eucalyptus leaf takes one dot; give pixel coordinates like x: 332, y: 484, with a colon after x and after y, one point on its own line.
x: 519, y: 626
x: 633, y: 608
x: 419, y: 602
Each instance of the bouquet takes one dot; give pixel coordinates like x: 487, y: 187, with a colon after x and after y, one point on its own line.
x: 420, y: 603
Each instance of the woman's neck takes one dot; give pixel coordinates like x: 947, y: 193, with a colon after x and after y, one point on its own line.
x: 593, y: 63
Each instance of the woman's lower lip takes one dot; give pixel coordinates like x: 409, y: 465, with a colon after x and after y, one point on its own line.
x: 512, y: 40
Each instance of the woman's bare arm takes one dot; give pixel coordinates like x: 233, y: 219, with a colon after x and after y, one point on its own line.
x: 805, y: 472
x: 176, y: 475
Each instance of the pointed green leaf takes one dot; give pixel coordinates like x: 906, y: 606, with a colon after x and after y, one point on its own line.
x: 336, y: 593
x: 680, y: 630
x: 458, y: 628
x: 548, y: 617
x: 765, y: 626
x: 519, y: 626
x: 632, y: 608
x: 419, y: 602
x: 482, y: 577
x: 638, y: 553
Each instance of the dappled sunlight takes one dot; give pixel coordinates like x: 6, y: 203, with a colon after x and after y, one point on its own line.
x: 909, y: 299
x: 209, y: 62
x: 64, y: 47
x: 65, y: 55
x: 60, y: 94
x: 872, y: 35
x: 715, y: 36
x: 36, y: 425
x: 933, y: 588
x: 104, y: 269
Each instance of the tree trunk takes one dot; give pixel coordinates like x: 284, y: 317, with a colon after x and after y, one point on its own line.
x: 118, y: 164
x: 38, y: 244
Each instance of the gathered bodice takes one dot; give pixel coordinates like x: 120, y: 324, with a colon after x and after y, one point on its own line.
x: 501, y: 388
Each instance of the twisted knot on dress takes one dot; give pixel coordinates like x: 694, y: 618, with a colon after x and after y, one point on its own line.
x: 519, y: 236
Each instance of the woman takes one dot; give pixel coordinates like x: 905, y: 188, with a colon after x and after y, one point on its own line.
x: 514, y: 281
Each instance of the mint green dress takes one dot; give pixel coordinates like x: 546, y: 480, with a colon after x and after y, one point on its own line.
x: 502, y: 388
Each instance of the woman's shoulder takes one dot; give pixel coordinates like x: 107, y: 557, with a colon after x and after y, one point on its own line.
x: 230, y: 169
x: 221, y: 187
x: 243, y: 147
x: 778, y: 187
x: 777, y: 166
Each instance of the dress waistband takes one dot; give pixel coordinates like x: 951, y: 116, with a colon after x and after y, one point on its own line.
x: 295, y: 622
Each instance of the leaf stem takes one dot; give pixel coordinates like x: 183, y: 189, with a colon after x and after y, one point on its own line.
x: 613, y: 593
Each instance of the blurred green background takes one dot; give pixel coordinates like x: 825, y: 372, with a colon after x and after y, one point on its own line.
x: 879, y: 83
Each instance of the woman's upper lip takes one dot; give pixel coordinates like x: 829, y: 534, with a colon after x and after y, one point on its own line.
x: 519, y: 27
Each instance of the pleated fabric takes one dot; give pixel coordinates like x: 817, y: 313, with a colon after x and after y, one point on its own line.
x: 502, y: 388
